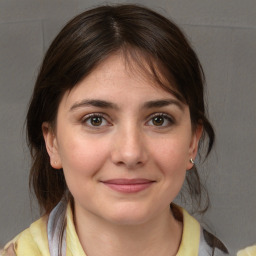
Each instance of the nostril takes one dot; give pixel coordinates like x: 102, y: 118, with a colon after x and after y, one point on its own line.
x: 130, y: 165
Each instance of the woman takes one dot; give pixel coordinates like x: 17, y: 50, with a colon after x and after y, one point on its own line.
x: 114, y: 126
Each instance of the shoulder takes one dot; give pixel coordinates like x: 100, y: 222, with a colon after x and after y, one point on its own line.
x: 249, y: 251
x: 195, y: 239
x: 32, y: 241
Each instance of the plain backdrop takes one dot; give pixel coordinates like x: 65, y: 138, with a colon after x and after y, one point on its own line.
x: 223, y: 34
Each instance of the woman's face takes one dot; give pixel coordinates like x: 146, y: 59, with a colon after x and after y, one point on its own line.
x: 124, y: 144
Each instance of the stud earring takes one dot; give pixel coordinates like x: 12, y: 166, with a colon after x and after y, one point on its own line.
x: 191, y: 161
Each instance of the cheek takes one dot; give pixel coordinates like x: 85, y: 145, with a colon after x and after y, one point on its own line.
x: 82, y: 157
x: 81, y: 162
x: 172, y: 154
x: 171, y: 161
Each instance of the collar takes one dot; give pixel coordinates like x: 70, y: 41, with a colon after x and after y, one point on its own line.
x: 189, y: 243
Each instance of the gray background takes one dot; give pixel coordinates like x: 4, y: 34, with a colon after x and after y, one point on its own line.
x: 224, y: 36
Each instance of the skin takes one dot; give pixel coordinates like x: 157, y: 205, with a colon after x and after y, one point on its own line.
x: 117, y: 124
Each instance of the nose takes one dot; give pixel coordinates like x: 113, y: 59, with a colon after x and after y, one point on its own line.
x: 129, y: 148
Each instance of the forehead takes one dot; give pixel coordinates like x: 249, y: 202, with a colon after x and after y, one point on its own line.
x: 116, y: 77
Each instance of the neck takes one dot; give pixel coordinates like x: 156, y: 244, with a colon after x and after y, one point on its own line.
x: 161, y: 236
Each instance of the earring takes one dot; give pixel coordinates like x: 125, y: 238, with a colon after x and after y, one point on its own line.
x: 191, y: 161
x: 55, y: 162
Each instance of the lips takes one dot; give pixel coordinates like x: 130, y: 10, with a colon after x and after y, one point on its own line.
x: 128, y: 185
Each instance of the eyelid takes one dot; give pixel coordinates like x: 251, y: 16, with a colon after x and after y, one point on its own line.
x: 85, y: 117
x: 97, y: 114
x: 169, y: 117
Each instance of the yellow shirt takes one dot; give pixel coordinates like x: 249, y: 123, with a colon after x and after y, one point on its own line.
x: 249, y: 251
x: 34, y: 241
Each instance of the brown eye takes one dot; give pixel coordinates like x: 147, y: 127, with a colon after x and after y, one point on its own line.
x: 158, y: 120
x: 96, y: 120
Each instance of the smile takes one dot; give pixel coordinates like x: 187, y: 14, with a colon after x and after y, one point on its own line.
x: 128, y: 185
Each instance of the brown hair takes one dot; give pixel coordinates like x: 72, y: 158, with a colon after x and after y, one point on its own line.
x: 88, y: 39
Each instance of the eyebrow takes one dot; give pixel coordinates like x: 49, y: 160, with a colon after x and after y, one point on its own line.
x: 163, y: 103
x: 110, y: 105
x: 94, y: 103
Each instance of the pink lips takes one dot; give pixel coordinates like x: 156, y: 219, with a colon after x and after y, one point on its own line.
x: 128, y: 185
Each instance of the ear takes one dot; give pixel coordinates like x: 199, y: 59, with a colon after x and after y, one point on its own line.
x: 193, y: 148
x: 51, y: 145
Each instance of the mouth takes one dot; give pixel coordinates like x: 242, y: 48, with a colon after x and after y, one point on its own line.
x: 128, y: 185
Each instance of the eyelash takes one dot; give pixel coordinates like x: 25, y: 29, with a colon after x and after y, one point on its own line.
x: 167, y: 117
x: 93, y: 115
x: 89, y: 117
